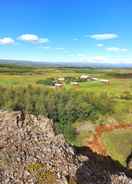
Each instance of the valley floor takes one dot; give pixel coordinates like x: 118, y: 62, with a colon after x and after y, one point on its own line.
x: 81, y: 109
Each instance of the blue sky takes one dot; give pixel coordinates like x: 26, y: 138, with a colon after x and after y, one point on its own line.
x: 66, y: 30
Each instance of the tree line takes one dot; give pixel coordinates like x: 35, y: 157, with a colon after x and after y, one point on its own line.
x: 63, y: 106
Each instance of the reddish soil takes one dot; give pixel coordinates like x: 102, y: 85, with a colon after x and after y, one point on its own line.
x: 95, y: 142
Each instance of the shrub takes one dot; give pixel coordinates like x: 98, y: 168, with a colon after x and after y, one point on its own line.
x: 64, y: 107
x: 42, y: 175
x: 127, y: 95
x: 48, y: 82
x: 70, y: 79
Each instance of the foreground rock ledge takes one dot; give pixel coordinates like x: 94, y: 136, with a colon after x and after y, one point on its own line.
x: 30, y: 153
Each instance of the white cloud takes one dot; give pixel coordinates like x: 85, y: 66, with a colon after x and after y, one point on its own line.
x: 100, y: 45
x: 104, y: 36
x: 71, y: 55
x: 92, y: 59
x: 43, y: 40
x: 32, y: 38
x: 99, y: 58
x: 59, y: 48
x: 103, y: 59
x: 116, y: 49
x: 6, y: 41
x: 124, y: 49
x: 81, y: 55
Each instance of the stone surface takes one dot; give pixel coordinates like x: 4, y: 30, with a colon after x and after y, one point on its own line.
x: 31, y: 153
x: 33, y: 142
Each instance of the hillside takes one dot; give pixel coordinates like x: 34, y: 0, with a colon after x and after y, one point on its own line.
x: 78, y: 106
x: 31, y: 153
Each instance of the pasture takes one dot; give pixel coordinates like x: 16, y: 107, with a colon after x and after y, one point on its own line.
x: 118, y: 144
x: 120, y: 80
x: 104, y: 103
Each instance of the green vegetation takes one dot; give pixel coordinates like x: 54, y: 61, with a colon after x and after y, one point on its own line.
x: 63, y: 106
x: 74, y: 109
x: 83, y: 131
x: 70, y: 79
x: 42, y: 175
x: 118, y: 144
x: 47, y: 82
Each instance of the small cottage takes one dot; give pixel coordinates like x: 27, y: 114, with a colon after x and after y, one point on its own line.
x: 58, y: 85
x: 104, y: 81
x: 84, y: 77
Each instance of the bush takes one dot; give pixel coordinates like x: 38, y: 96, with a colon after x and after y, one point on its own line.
x: 70, y: 79
x: 48, y: 82
x: 127, y: 95
x: 64, y: 107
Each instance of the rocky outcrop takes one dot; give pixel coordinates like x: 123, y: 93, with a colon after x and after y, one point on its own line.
x: 30, y: 148
x: 31, y: 153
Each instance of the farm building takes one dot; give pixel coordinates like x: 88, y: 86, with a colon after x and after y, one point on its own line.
x: 58, y: 85
x: 94, y: 79
x: 104, y: 81
x: 84, y: 77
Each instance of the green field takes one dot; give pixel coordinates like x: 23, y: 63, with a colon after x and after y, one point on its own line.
x: 76, y: 110
x: 120, y: 82
x: 118, y: 144
x: 120, y: 87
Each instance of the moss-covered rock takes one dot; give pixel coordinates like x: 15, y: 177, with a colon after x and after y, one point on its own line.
x: 42, y: 174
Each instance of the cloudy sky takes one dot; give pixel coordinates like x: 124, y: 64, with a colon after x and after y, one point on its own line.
x: 66, y: 30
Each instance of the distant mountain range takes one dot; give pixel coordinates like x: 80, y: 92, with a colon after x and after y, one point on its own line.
x: 64, y: 64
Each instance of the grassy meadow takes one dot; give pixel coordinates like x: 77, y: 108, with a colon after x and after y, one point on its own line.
x: 76, y: 110
x: 118, y: 144
x: 120, y: 81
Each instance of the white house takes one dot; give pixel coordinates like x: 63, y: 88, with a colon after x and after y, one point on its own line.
x: 94, y: 79
x: 58, y: 85
x: 104, y: 81
x: 84, y: 77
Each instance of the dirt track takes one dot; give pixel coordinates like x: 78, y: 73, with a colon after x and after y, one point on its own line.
x: 95, y: 142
